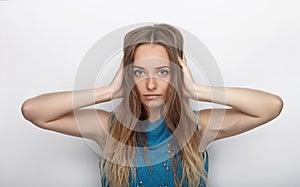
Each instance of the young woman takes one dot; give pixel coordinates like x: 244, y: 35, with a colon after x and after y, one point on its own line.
x: 153, y: 137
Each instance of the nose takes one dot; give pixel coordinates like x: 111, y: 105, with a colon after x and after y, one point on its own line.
x: 151, y: 83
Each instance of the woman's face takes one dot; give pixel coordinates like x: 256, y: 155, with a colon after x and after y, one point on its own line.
x: 151, y: 72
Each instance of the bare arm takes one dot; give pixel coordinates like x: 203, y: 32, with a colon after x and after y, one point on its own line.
x: 54, y: 111
x: 52, y: 106
x: 62, y: 111
x: 249, y: 108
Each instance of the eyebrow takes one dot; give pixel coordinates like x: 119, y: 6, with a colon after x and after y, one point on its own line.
x: 155, y: 68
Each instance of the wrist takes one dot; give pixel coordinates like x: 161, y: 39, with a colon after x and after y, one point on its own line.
x: 202, y: 92
x: 102, y: 94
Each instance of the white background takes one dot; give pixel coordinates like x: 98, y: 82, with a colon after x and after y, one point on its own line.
x: 255, y: 43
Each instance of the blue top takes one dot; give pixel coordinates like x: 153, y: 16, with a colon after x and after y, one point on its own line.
x: 160, y: 173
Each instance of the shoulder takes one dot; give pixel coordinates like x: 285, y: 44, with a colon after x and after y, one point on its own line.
x: 208, y: 131
x: 104, y: 117
x: 201, y: 122
x: 203, y: 115
x: 204, y: 119
x: 104, y: 121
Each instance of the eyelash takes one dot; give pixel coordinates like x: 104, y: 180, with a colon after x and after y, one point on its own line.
x: 136, y: 71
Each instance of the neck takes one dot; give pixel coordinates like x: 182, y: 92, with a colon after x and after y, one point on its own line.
x: 154, y: 118
x: 154, y: 114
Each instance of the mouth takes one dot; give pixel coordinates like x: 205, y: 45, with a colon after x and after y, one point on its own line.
x: 152, y: 96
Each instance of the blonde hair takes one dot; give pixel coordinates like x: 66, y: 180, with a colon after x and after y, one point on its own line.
x: 122, y: 141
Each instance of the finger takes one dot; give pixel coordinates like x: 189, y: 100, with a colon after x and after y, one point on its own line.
x: 185, y: 69
x: 121, y: 65
x: 184, y: 58
x: 181, y: 63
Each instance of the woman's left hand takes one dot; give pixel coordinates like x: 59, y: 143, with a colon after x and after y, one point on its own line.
x: 189, y: 87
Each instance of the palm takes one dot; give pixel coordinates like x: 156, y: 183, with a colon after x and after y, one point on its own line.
x: 117, y: 82
x: 189, y: 84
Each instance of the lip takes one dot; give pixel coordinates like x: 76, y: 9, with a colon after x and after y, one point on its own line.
x: 152, y: 96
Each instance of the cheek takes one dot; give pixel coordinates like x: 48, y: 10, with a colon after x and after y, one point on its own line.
x: 166, y: 87
x: 138, y: 88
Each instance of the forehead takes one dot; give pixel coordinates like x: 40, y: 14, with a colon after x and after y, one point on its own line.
x: 155, y: 53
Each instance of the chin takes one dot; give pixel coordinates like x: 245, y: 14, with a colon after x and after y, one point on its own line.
x: 153, y: 104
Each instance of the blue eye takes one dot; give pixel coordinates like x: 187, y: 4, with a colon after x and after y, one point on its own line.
x: 163, y: 72
x: 138, y: 72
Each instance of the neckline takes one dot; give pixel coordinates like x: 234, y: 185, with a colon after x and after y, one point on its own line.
x: 154, y: 125
x: 156, y: 121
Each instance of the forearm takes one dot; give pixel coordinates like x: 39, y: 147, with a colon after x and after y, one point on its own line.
x: 51, y: 106
x: 252, y: 102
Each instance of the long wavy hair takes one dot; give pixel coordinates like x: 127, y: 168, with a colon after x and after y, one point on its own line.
x: 116, y: 162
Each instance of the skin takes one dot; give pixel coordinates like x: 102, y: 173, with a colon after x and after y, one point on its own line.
x: 151, y: 69
x: 249, y: 108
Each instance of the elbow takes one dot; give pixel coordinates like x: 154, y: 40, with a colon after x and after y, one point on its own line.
x: 27, y: 112
x: 25, y: 109
x: 277, y: 106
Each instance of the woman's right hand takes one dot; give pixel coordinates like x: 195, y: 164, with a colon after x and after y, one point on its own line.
x: 116, y: 85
